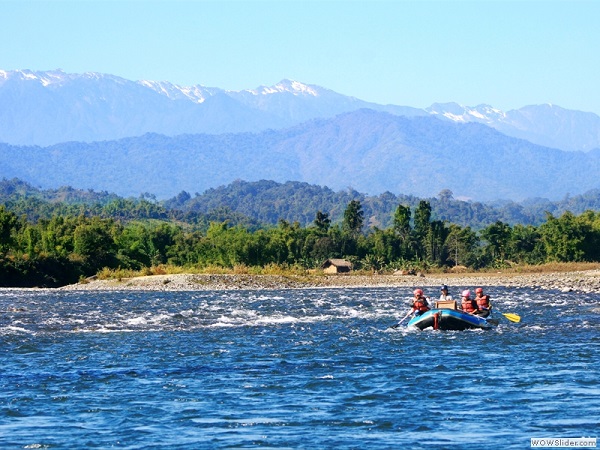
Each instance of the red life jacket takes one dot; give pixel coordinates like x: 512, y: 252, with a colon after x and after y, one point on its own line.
x: 469, y: 305
x: 420, y: 304
x: 483, y: 302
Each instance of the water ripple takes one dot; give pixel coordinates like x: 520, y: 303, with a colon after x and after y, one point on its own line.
x: 313, y: 368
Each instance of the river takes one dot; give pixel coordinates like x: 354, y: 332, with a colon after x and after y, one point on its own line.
x: 307, y: 368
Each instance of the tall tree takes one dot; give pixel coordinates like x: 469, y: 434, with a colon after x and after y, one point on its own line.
x: 353, y: 218
x: 8, y: 222
x: 422, y: 227
x: 322, y: 222
x: 563, y: 238
x: 435, y: 243
x: 526, y: 246
x: 403, y: 231
x: 498, y: 236
x: 422, y: 218
x: 402, y: 221
x: 459, y: 245
x: 94, y: 242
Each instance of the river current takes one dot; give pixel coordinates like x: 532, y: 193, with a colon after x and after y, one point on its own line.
x: 309, y: 368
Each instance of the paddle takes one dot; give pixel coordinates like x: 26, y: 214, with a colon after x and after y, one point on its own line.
x: 396, y: 325
x: 510, y: 316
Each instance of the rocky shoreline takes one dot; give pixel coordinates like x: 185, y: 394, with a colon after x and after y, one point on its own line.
x: 580, y: 281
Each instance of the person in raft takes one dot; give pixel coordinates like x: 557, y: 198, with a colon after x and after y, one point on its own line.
x: 468, y: 304
x: 444, y: 295
x: 419, y: 304
x: 483, y: 303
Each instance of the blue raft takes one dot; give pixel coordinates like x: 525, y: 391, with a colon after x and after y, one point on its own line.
x: 450, y: 319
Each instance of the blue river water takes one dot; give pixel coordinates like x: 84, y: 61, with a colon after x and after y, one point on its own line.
x: 310, y: 368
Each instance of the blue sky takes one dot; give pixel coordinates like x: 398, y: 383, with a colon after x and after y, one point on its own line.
x: 504, y: 53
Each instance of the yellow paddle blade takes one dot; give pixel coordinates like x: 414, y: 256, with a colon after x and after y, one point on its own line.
x: 512, y: 317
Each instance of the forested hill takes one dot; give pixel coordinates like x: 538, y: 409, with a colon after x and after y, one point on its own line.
x: 372, y: 151
x: 267, y: 202
x: 34, y: 204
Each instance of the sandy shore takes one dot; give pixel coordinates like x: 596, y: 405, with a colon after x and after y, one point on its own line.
x: 581, y: 281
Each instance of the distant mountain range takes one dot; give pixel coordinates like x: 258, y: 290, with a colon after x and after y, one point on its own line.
x: 45, y: 108
x: 51, y: 107
x: 370, y: 151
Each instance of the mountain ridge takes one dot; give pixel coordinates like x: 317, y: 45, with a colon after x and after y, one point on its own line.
x: 370, y: 151
x: 50, y: 107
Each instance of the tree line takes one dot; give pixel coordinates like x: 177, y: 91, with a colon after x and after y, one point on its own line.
x: 63, y: 248
x: 264, y: 202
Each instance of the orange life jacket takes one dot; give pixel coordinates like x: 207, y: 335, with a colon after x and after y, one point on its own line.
x: 483, y: 302
x: 469, y: 305
x: 420, y: 304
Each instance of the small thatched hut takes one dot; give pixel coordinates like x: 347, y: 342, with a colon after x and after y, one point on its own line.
x: 336, y: 266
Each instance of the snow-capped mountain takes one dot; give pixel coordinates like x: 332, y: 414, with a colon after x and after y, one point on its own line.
x: 289, y: 86
x: 197, y: 93
x: 453, y: 111
x: 547, y: 125
x: 48, y: 107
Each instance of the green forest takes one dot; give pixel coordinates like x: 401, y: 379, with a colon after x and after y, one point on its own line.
x: 79, y: 233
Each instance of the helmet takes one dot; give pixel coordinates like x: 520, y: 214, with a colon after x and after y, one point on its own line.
x: 418, y: 292
x: 478, y: 290
x: 466, y: 293
x: 444, y: 288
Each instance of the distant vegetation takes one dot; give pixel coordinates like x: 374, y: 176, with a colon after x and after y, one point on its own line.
x: 55, y: 237
x: 268, y: 202
x: 371, y: 151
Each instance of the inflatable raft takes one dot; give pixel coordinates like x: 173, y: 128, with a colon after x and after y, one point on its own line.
x: 445, y: 316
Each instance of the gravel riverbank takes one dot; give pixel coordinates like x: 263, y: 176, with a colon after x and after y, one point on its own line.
x: 580, y: 281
